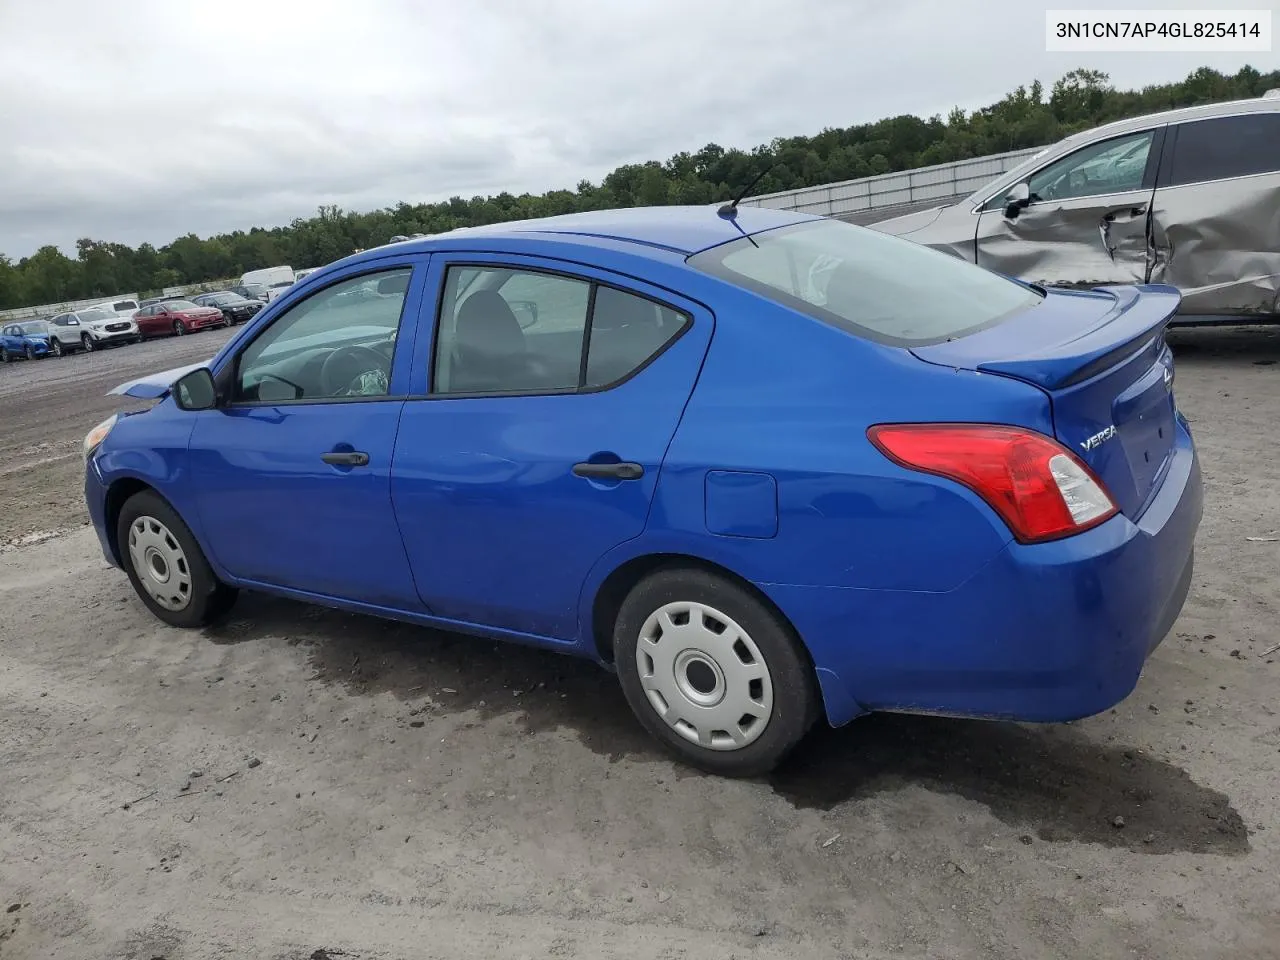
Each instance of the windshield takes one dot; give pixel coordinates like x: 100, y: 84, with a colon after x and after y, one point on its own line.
x: 33, y: 327
x: 254, y: 288
x: 180, y: 305
x: 872, y: 284
x: 95, y: 313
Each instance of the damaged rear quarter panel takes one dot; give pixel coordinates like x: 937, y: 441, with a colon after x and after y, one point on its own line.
x: 1219, y: 243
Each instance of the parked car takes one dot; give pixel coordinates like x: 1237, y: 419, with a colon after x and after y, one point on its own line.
x: 251, y: 291
x: 235, y: 308
x: 90, y: 329
x: 124, y: 308
x: 178, y: 317
x: 760, y: 491
x: 275, y: 279
x: 1187, y: 197
x: 28, y: 340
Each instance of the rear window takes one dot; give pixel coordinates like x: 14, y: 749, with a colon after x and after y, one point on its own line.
x: 124, y: 305
x: 872, y: 284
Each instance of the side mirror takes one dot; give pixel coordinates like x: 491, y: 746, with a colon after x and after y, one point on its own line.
x: 196, y: 391
x: 1017, y: 199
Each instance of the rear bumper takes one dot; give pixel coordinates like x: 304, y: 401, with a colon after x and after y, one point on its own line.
x: 1047, y: 632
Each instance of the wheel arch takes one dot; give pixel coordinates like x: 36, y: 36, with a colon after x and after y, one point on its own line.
x: 118, y: 495
x: 620, y: 581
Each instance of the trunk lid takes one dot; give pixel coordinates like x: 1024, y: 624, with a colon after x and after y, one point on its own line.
x: 1102, y: 359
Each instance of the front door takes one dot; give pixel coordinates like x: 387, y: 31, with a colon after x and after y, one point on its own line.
x: 293, y: 474
x: 553, y: 394
x: 1087, y: 222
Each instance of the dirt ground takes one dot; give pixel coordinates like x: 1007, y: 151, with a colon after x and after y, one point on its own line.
x: 370, y: 790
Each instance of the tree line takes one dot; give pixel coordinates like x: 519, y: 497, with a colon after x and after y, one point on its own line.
x: 1024, y: 118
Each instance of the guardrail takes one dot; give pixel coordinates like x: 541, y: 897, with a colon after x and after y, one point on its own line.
x: 942, y: 182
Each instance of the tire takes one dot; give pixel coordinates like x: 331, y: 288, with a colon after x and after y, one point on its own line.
x: 4, y: 355
x: 31, y: 352
x: 754, y: 662
x: 86, y: 341
x: 175, y: 581
x: 179, y: 329
x: 55, y: 347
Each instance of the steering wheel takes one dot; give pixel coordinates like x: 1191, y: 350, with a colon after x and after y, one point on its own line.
x: 347, y: 363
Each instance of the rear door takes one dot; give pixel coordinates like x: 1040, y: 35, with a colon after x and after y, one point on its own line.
x: 293, y: 474
x: 549, y: 401
x: 1087, y: 220
x: 1216, y: 222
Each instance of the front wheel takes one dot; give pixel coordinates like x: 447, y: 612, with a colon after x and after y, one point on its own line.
x: 178, y: 328
x: 166, y: 565
x: 86, y: 341
x: 713, y: 672
x: 55, y: 346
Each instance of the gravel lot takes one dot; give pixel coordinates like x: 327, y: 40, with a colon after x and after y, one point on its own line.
x: 371, y: 790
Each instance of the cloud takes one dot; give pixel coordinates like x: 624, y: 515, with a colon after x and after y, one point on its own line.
x: 143, y: 120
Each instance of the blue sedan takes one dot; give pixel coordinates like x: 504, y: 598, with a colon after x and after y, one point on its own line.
x: 28, y: 340
x: 769, y: 468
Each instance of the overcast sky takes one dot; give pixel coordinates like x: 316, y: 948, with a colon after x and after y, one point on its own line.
x: 142, y: 120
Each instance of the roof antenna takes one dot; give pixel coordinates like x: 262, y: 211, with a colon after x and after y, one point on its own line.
x: 730, y: 209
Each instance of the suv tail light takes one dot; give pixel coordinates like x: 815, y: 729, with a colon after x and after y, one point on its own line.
x: 1040, y: 488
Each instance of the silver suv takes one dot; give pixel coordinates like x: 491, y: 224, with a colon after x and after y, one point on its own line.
x: 1188, y: 198
x: 90, y: 329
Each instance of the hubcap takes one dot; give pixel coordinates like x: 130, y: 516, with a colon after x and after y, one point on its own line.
x: 704, y: 676
x: 160, y: 563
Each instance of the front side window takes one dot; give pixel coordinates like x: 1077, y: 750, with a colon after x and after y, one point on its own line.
x: 1225, y: 147
x: 506, y: 330
x: 875, y: 285
x: 331, y: 345
x: 1111, y: 166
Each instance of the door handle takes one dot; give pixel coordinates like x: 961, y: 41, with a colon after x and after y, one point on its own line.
x: 346, y: 458
x: 609, y: 471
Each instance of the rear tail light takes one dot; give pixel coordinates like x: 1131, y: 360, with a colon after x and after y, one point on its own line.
x: 1038, y: 486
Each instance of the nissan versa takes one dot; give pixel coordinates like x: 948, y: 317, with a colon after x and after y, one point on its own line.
x: 767, y: 467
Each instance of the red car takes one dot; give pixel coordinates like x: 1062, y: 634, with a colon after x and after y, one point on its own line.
x: 177, y: 317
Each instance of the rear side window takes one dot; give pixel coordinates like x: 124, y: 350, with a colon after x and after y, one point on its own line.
x: 880, y: 287
x: 505, y: 331
x: 1226, y: 147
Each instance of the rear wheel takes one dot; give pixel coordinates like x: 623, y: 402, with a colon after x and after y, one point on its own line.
x: 86, y: 341
x: 712, y: 672
x: 166, y: 565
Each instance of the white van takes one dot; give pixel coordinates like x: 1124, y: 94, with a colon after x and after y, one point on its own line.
x: 124, y: 308
x: 276, y: 279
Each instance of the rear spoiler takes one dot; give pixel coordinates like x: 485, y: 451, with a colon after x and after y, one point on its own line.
x: 1138, y: 315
